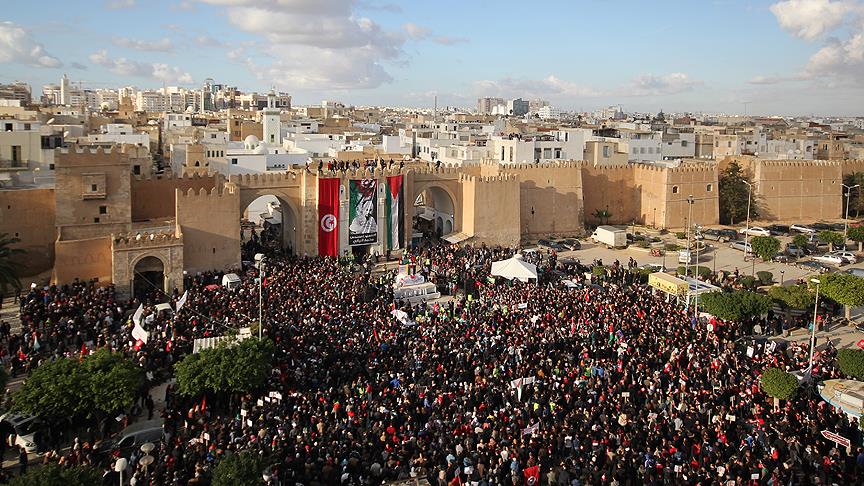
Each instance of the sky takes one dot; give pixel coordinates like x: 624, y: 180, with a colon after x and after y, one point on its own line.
x: 789, y: 57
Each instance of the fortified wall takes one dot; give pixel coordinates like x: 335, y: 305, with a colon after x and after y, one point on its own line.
x: 29, y: 214
x: 550, y: 197
x: 796, y: 191
x: 209, y: 222
x: 153, y: 197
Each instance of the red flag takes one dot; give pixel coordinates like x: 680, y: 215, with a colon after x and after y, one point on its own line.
x: 204, y: 404
x: 532, y: 475
x: 168, y: 347
x: 328, y: 216
x: 138, y: 344
x: 861, y: 344
x: 375, y: 333
x: 83, y: 349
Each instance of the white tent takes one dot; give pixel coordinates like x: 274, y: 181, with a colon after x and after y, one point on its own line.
x: 514, y: 268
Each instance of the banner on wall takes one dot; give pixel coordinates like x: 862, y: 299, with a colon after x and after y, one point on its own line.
x: 395, y: 213
x: 328, y: 216
x: 363, y: 212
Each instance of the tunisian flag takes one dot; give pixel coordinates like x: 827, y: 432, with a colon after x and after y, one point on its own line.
x: 532, y: 475
x: 328, y: 216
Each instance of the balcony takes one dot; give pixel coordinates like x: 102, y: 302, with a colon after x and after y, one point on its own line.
x: 13, y: 164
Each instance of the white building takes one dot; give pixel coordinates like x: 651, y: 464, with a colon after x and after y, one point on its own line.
x: 150, y: 101
x: 271, y: 121
x: 119, y: 133
x: 65, y: 91
x: 641, y: 145
x: 678, y: 144
x: 549, y: 113
x: 27, y: 152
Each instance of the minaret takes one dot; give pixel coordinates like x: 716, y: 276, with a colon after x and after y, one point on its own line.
x: 272, y: 122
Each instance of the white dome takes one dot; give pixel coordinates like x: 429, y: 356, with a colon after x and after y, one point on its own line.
x: 250, y: 142
x: 261, y: 148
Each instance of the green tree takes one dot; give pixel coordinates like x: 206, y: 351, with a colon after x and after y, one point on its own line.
x: 856, y: 200
x: 10, y: 264
x: 833, y: 238
x: 242, y: 469
x: 226, y: 368
x: 778, y: 383
x: 603, y: 215
x: 735, y: 306
x: 851, y: 362
x: 733, y: 194
x: 765, y: 246
x: 56, y: 475
x: 843, y: 288
x: 103, y: 383
x: 801, y: 242
x: 856, y: 234
x: 793, y: 296
x: 765, y: 278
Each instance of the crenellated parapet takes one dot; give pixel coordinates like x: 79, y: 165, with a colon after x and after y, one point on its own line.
x: 265, y: 180
x: 145, y: 240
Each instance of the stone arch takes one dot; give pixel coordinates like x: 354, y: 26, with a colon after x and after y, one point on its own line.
x: 146, y: 275
x: 443, y: 195
x: 291, y: 233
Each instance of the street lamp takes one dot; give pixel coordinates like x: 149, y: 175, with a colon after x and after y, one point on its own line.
x: 119, y: 467
x: 813, y: 328
x: 690, y: 201
x: 781, y: 277
x: 747, y: 230
x: 260, y: 263
x: 846, y: 218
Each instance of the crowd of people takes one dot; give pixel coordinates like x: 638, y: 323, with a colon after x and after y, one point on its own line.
x: 508, y: 383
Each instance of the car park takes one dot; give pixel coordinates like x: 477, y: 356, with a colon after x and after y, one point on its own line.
x: 800, y: 228
x: 755, y: 231
x: 778, y: 229
x: 847, y: 256
x: 741, y: 246
x: 814, y: 266
x: 570, y: 244
x: 829, y: 259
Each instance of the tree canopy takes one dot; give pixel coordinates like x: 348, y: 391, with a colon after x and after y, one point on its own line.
x: 733, y: 193
x: 778, y: 383
x: 10, y: 263
x: 833, y: 238
x: 242, y: 469
x: 856, y: 234
x: 735, y: 306
x: 851, y: 362
x: 843, y: 288
x: 56, y: 475
x: 765, y: 246
x: 103, y: 382
x: 793, y: 296
x: 226, y: 368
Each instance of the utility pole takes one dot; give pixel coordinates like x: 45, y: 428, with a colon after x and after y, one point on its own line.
x: 747, y: 230
x: 846, y: 217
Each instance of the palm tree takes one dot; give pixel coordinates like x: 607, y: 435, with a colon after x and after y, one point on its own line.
x: 603, y: 215
x: 9, y: 263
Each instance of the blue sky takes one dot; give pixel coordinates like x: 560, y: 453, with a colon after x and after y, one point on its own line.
x: 783, y: 57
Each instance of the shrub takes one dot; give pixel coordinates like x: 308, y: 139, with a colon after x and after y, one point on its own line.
x: 680, y: 235
x: 700, y: 270
x: 599, y: 272
x: 748, y: 282
x: 672, y: 247
x: 793, y: 296
x: 55, y: 475
x: 765, y: 246
x: 642, y: 244
x: 734, y: 306
x: 243, y: 469
x: 851, y: 362
x: 778, y: 383
x: 765, y: 278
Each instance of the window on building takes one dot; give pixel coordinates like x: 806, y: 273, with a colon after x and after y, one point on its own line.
x: 709, y: 187
x: 50, y: 166
x: 95, y: 220
x: 234, y: 161
x: 103, y: 209
x: 8, y: 127
x: 27, y: 126
x: 674, y: 189
x: 16, y: 153
x: 635, y: 150
x: 683, y: 143
x: 605, y: 151
x: 641, y: 150
x: 729, y: 144
x: 136, y: 169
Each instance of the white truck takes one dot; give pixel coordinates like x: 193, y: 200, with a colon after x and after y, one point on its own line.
x: 610, y: 236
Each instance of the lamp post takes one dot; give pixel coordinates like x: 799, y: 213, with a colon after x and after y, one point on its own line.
x: 119, y: 467
x: 747, y: 230
x: 690, y: 201
x: 261, y: 264
x: 846, y: 217
x: 813, y: 328
x: 781, y: 277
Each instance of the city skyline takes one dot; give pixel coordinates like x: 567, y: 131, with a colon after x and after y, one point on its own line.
x: 793, y: 57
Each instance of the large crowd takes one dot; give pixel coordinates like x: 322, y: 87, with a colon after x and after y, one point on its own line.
x: 508, y: 383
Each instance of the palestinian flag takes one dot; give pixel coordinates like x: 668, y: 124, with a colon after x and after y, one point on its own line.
x: 395, y: 212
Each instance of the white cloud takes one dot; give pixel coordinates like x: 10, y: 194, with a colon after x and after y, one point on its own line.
x: 316, y: 45
x: 119, y: 4
x: 419, y: 33
x: 184, y: 6
x: 16, y: 45
x: 162, y: 45
x: 839, y: 60
x: 415, y: 31
x: 207, y: 41
x: 651, y: 85
x: 810, y: 19
x: 127, y: 67
x: 561, y: 89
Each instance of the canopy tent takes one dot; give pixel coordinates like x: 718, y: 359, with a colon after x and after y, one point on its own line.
x: 514, y: 268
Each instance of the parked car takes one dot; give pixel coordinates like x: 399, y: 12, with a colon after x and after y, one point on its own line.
x: 793, y: 250
x: 654, y: 267
x: 550, y: 244
x: 800, y: 228
x: 132, y: 437
x: 28, y: 431
x: 814, y: 266
x: 847, y: 256
x: 778, y: 229
x: 713, y: 235
x: 742, y: 246
x: 755, y: 231
x: 781, y: 258
x: 570, y: 244
x: 858, y: 272
x: 829, y: 259
x: 822, y: 226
